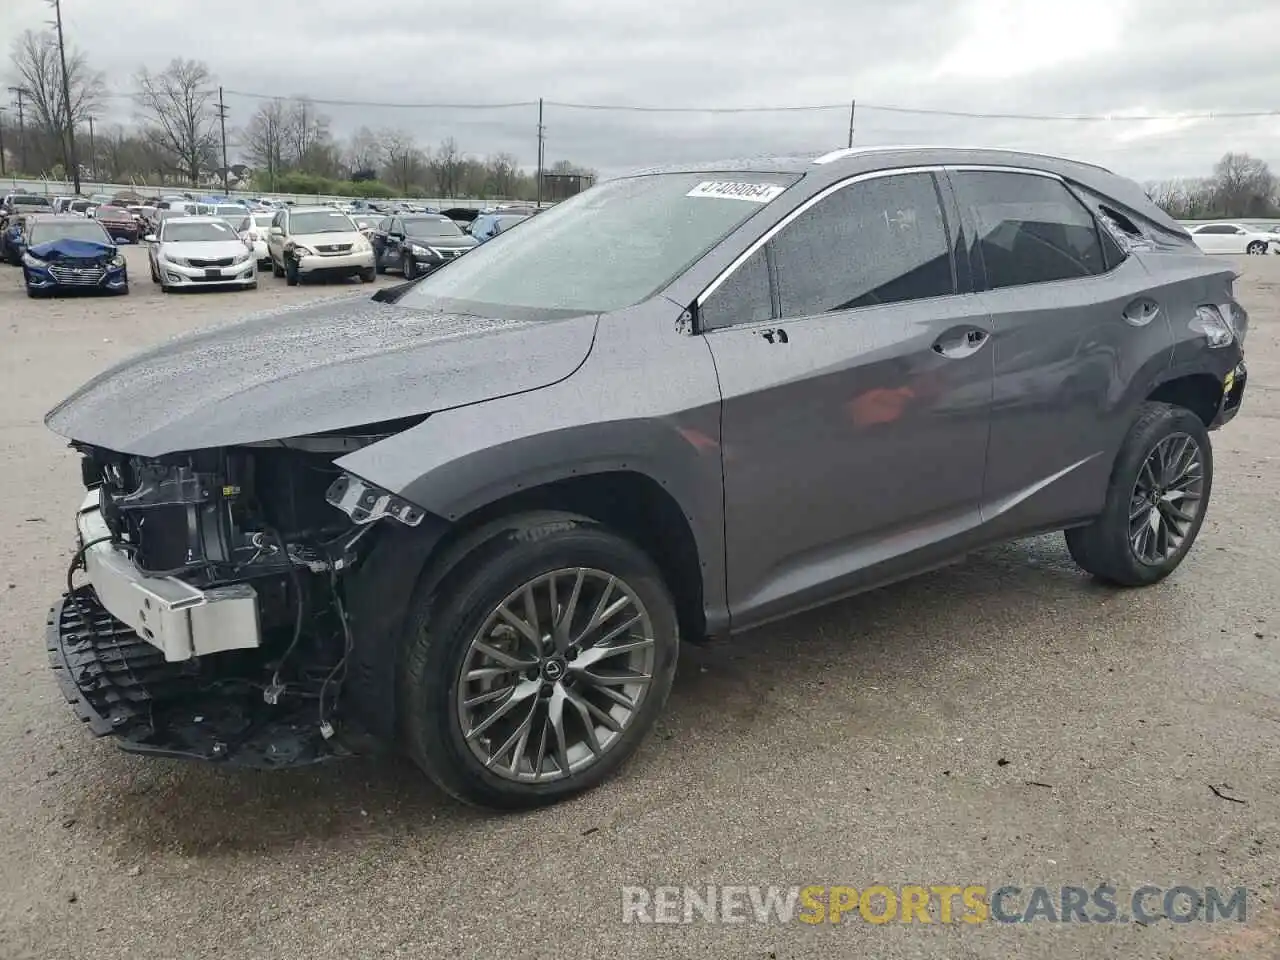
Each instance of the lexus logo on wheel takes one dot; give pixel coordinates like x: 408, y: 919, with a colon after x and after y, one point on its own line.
x: 553, y: 670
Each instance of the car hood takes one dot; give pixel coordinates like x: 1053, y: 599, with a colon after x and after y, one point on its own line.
x: 74, y: 249
x: 325, y: 239
x: 443, y: 243
x: 338, y: 365
x: 207, y: 249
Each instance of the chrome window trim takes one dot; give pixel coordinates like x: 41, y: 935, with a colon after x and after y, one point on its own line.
x: 822, y: 194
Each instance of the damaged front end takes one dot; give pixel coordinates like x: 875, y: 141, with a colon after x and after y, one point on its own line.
x: 216, y: 617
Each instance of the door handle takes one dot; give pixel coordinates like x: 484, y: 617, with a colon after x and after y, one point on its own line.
x: 775, y: 335
x: 1141, y: 312
x: 956, y: 344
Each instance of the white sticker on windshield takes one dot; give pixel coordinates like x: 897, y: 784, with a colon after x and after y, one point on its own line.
x: 731, y: 190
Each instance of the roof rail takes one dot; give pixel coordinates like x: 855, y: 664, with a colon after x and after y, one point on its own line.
x: 846, y: 152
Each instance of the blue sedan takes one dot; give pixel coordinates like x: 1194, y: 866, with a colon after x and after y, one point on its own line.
x: 65, y: 254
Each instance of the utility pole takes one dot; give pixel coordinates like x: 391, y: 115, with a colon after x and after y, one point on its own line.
x: 222, y: 120
x: 853, y: 108
x: 72, y: 162
x: 3, y: 171
x: 93, y: 154
x: 20, y: 92
x: 541, y: 148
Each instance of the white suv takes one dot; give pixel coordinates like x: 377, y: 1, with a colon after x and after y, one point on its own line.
x: 318, y: 241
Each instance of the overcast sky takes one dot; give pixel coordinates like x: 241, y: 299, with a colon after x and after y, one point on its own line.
x: 1118, y: 57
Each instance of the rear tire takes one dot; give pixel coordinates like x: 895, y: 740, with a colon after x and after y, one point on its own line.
x: 1156, y: 500
x: 455, y: 625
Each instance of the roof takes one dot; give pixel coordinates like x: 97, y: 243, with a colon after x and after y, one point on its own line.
x: 202, y: 218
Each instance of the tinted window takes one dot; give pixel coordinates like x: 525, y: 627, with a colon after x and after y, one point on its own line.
x: 743, y: 298
x: 432, y: 227
x: 1030, y: 229
x: 879, y: 241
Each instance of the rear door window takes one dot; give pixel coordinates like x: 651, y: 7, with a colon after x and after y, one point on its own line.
x: 1030, y: 228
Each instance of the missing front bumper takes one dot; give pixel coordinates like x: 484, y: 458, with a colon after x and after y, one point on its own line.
x: 121, y: 686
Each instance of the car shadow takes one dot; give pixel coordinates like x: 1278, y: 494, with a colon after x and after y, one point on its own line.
x: 767, y: 685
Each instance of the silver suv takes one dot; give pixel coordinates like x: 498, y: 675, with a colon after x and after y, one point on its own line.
x: 475, y: 517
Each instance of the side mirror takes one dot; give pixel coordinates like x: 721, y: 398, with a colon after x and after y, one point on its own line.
x: 150, y: 238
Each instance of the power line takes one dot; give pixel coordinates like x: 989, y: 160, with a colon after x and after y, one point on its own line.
x: 775, y: 108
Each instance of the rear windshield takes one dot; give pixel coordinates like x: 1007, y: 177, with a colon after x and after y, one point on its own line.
x: 50, y: 230
x: 176, y: 232
x: 609, y: 247
x: 31, y: 203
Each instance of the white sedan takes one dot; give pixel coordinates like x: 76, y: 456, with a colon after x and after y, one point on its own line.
x: 1234, y: 238
x: 201, y: 252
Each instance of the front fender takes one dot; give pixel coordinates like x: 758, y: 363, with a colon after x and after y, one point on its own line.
x: 613, y: 414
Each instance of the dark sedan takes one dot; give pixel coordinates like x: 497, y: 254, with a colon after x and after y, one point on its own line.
x: 119, y: 222
x: 68, y: 253
x: 415, y: 245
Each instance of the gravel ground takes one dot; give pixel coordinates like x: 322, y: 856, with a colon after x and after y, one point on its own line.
x: 1004, y: 721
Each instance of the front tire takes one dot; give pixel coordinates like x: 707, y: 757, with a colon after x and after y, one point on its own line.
x: 291, y: 274
x: 368, y: 275
x: 408, y: 267
x: 1156, y: 500
x: 536, y: 667
x: 276, y: 269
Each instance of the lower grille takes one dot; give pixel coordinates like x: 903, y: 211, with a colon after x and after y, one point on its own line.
x: 122, y: 686
x: 86, y: 276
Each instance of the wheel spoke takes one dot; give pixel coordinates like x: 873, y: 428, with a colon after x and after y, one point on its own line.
x: 588, y: 725
x: 565, y: 623
x: 531, y: 617
x: 604, y: 610
x: 587, y: 708
x: 617, y: 631
x: 555, y: 716
x: 593, y: 655
x: 515, y: 743
x: 487, y: 697
x: 488, y: 673
x: 1168, y: 510
x: 525, y: 630
x: 612, y: 678
x: 519, y: 694
x: 504, y: 658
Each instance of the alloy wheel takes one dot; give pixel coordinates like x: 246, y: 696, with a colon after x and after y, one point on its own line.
x: 555, y: 675
x: 1166, y: 499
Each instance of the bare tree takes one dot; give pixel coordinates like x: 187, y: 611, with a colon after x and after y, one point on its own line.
x: 403, y: 162
x: 364, y: 151
x: 1243, y: 186
x: 447, y: 165
x: 502, y: 175
x: 262, y: 140
x: 179, y: 106
x: 304, y: 129
x: 38, y: 72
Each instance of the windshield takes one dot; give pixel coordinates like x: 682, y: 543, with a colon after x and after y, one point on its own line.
x: 68, y: 230
x: 606, y: 248
x: 431, y: 228
x: 320, y: 221
x: 202, y: 232
x: 263, y: 221
x: 114, y: 213
x: 30, y: 202
x: 230, y: 210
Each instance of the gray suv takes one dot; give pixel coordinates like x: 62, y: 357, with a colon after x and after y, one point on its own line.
x: 474, y: 516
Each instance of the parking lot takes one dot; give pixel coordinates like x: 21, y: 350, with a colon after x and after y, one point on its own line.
x: 1003, y: 721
